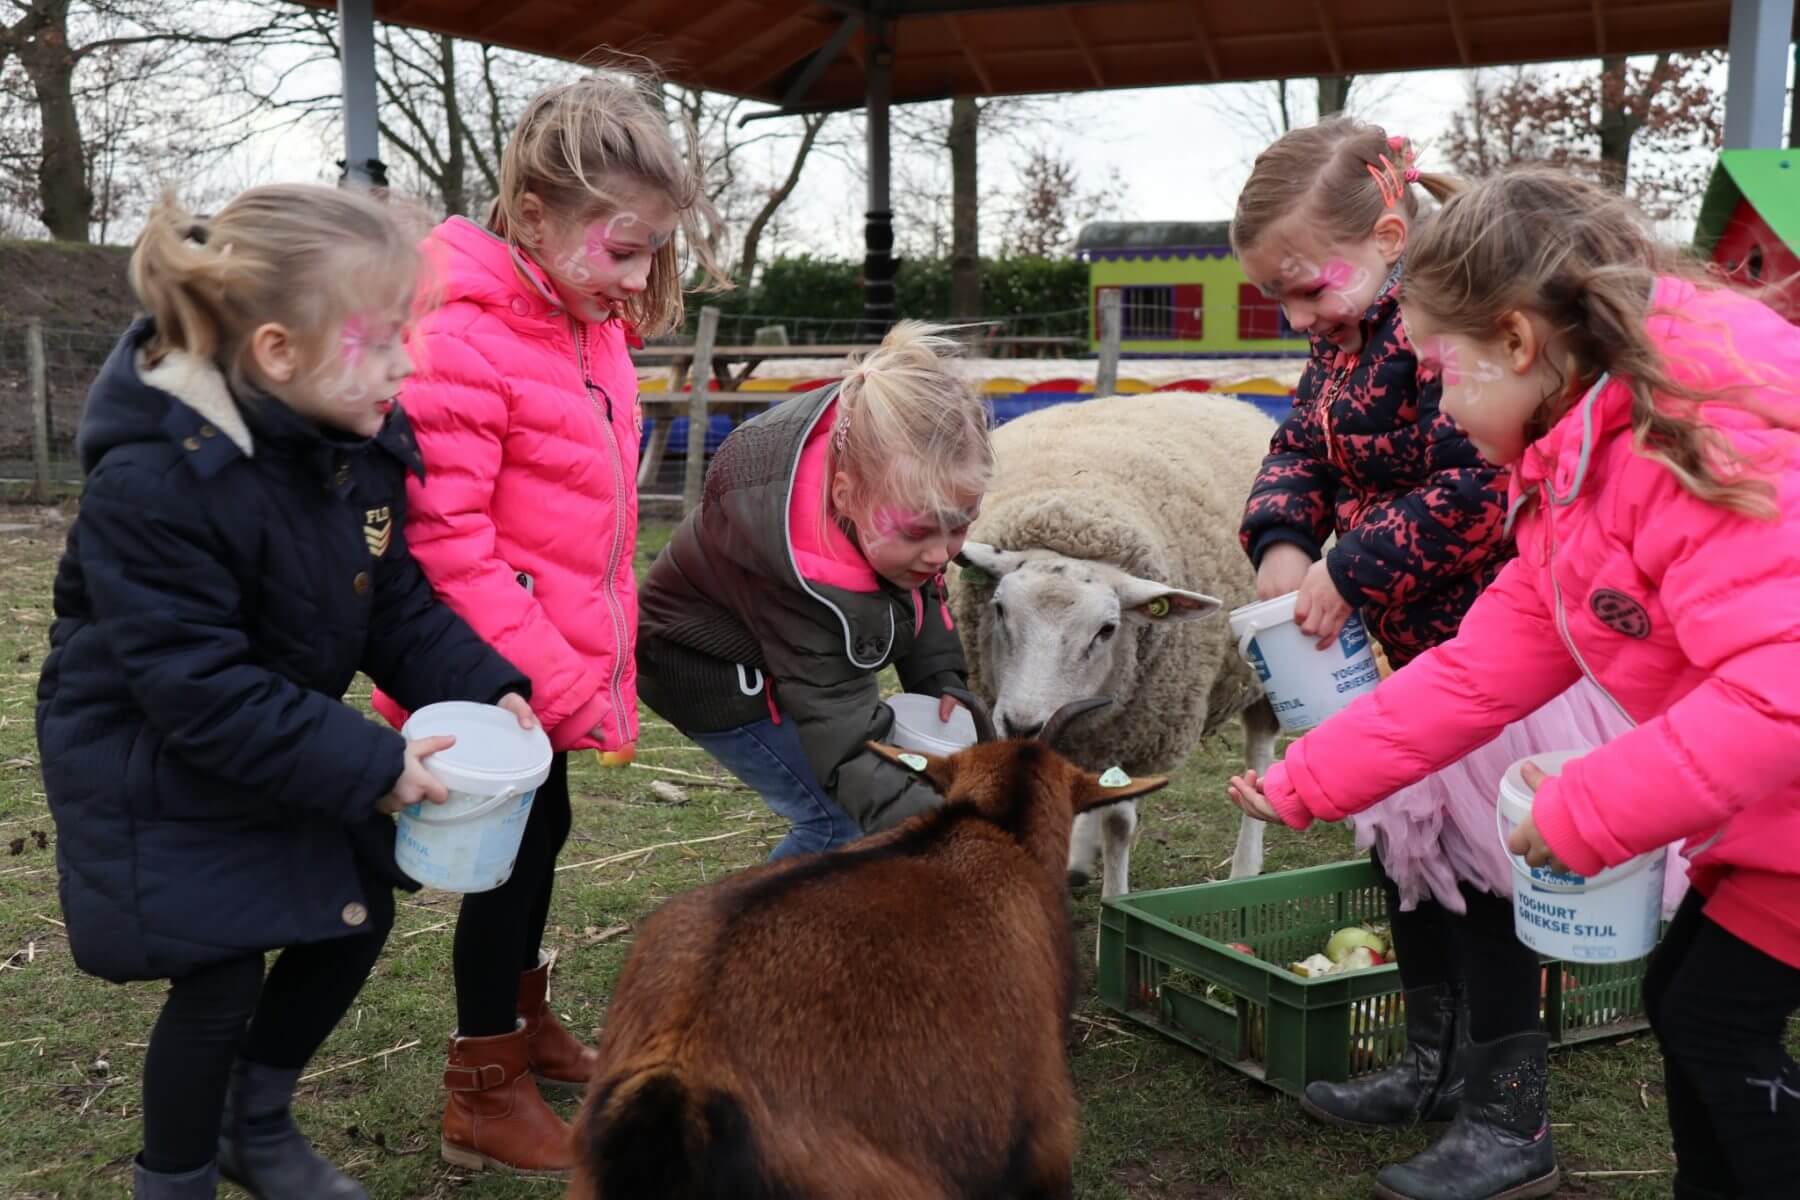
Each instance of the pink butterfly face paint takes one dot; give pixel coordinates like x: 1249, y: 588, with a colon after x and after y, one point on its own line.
x: 908, y: 547
x: 605, y: 263
x: 355, y: 389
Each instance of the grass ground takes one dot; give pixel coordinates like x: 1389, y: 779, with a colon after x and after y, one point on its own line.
x: 1159, y: 1121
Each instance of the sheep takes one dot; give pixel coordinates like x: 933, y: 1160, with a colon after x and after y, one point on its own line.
x: 886, y: 1020
x: 1116, y: 521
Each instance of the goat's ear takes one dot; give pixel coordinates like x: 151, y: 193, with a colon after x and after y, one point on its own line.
x: 936, y: 771
x: 1149, y: 601
x: 1112, y: 786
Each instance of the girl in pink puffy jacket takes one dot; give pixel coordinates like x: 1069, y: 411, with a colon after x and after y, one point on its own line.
x: 1653, y: 423
x: 525, y: 406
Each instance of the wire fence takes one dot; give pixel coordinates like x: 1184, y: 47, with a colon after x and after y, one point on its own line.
x: 1045, y: 334
x: 45, y: 373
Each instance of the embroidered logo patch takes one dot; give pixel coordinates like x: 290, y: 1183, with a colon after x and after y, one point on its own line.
x: 378, y: 530
x: 1620, y: 613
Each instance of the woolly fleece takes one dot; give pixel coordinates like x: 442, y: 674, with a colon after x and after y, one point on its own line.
x: 1154, y: 484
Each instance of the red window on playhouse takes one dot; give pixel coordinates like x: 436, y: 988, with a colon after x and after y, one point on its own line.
x: 1159, y: 312
x: 1259, y: 316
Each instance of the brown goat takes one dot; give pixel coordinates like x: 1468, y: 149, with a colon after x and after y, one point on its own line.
x: 882, y: 1022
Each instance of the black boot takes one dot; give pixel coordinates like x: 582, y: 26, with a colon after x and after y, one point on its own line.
x: 199, y: 1184
x: 263, y: 1152
x: 1499, y: 1147
x: 1425, y: 1085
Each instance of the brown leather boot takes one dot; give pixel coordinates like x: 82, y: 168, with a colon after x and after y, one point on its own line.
x: 495, y: 1116
x: 557, y: 1059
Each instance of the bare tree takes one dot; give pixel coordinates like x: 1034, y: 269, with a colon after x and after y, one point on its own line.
x: 1629, y: 125
x: 941, y: 216
x: 1271, y: 108
x: 69, y: 55
x: 1052, y: 204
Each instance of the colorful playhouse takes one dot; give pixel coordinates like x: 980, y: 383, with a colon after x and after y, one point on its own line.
x: 1181, y: 290
x: 1750, y: 222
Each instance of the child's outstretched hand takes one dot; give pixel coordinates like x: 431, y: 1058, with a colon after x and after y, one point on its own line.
x: 519, y: 707
x: 416, y: 784
x: 1525, y: 840
x: 1246, y: 792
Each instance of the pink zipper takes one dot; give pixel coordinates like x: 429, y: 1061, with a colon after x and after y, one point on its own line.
x: 621, y: 627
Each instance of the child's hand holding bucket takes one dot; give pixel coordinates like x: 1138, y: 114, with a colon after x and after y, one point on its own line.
x: 1320, y: 610
x: 416, y: 784
x: 1525, y: 840
x: 519, y: 707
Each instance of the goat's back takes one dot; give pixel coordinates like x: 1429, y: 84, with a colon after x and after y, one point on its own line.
x: 816, y: 1014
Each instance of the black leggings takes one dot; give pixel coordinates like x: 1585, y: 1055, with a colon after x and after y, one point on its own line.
x: 1720, y: 1009
x: 499, y: 933
x: 1476, y: 952
x: 228, y: 1010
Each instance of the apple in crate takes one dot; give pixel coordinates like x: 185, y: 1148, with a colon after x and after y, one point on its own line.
x: 1353, y: 937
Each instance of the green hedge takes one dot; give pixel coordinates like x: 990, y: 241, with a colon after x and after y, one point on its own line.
x: 831, y: 288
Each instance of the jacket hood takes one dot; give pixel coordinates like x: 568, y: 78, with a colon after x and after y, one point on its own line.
x: 181, y: 396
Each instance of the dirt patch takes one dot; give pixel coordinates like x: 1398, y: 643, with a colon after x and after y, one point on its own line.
x: 66, y: 286
x: 1167, y: 1176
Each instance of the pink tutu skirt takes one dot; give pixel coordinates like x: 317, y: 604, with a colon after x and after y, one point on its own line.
x: 1440, y: 831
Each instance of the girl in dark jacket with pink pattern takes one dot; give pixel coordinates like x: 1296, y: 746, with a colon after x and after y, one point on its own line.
x: 1419, y: 519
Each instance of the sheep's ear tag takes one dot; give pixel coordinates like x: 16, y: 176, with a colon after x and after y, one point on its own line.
x: 915, y: 761
x: 1114, y: 777
x: 1158, y: 607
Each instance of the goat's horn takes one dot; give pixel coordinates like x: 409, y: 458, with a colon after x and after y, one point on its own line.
x: 1060, y: 719
x: 984, y: 720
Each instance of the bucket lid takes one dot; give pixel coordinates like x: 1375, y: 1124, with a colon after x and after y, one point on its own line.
x: 916, y: 721
x: 490, y: 746
x: 1264, y: 614
x: 1515, y: 796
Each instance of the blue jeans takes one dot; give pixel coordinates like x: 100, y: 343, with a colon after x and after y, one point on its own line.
x: 770, y: 759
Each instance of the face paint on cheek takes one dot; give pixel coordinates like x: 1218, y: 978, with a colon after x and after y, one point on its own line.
x: 893, y: 524
x: 353, y: 342
x: 1344, y: 279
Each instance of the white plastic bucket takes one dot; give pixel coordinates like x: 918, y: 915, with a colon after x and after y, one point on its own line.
x: 1614, y: 916
x: 916, y: 725
x: 1304, y: 684
x: 468, y: 843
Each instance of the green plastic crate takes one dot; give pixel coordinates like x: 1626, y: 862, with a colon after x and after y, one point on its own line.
x: 1165, y: 961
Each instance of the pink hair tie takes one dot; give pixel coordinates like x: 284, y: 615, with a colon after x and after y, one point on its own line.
x: 1412, y: 173
x: 1396, y: 142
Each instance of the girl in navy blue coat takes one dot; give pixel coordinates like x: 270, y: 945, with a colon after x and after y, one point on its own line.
x: 239, y: 556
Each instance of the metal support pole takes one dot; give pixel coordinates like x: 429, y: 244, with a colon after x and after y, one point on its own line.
x: 878, y: 228
x: 361, y: 163
x: 1756, y: 86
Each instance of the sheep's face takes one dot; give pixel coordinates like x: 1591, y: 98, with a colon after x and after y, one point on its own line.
x: 1056, y: 629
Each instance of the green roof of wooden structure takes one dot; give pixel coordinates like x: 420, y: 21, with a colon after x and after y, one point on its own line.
x: 1769, y: 179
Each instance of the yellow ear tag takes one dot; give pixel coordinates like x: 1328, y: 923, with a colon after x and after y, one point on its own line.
x: 1115, y: 778
x: 915, y: 761
x: 1158, y: 607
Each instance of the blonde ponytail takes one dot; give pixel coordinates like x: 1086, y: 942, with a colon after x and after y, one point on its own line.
x: 301, y: 255
x: 910, y: 431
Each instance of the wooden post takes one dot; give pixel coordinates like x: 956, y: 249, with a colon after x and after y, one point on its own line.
x: 1106, y: 377
x: 699, y: 377
x: 39, y: 377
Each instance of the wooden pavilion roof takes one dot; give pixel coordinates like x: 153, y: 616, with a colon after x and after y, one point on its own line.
x: 810, y: 53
